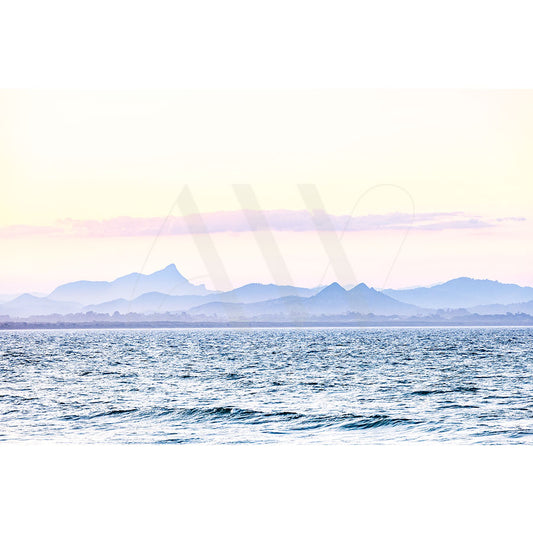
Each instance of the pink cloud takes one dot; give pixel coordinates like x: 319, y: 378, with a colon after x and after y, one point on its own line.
x: 236, y: 221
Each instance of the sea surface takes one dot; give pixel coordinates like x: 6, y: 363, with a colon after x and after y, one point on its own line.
x: 261, y: 385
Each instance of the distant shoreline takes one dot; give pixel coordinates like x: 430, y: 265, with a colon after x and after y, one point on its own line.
x: 253, y: 324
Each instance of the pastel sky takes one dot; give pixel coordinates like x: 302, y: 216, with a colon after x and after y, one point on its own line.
x: 415, y: 186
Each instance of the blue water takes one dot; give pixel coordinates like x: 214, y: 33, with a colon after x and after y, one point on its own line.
x: 315, y: 385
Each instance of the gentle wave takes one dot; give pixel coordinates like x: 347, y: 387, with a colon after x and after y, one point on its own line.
x: 346, y: 421
x: 320, y: 385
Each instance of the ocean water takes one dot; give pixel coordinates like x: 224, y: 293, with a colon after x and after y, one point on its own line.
x: 307, y: 385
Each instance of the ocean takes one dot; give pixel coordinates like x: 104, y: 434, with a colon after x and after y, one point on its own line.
x: 268, y: 385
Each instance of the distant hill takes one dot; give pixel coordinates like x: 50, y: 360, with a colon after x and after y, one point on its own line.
x: 462, y: 293
x: 26, y: 305
x: 493, y: 309
x: 153, y: 302
x: 156, y: 302
x: 260, y: 292
x: 332, y: 300
x: 7, y: 298
x: 360, y: 299
x: 168, y: 281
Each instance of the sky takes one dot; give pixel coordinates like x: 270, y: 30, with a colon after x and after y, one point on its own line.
x: 403, y: 187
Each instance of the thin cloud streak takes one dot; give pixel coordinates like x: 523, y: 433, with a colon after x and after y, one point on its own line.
x: 237, y: 222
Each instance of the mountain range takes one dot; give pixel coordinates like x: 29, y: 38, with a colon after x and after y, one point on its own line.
x: 168, y: 291
x: 332, y: 300
x: 155, y: 302
x: 463, y: 293
x: 168, y: 281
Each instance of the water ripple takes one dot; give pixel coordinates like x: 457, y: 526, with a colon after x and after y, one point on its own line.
x: 310, y: 385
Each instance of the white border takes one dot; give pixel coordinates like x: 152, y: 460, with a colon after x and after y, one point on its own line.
x: 265, y: 489
x: 275, y: 44
x: 118, y: 44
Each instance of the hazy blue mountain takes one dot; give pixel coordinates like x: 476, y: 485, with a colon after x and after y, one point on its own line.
x: 168, y: 281
x: 152, y: 302
x: 360, y: 299
x: 110, y: 306
x: 156, y: 302
x: 498, y: 309
x: 368, y: 300
x: 332, y: 300
x: 168, y: 291
x: 7, y: 298
x: 462, y: 293
x: 232, y: 310
x: 260, y: 292
x: 26, y: 305
x: 11, y: 296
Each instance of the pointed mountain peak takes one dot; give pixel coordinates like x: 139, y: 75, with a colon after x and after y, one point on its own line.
x: 170, y: 271
x: 362, y: 285
x: 362, y: 289
x: 332, y: 288
x: 171, y: 268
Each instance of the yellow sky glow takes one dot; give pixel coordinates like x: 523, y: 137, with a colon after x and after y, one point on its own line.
x: 102, y: 154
